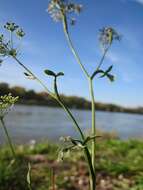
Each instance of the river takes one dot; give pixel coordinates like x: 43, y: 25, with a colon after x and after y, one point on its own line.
x: 27, y: 123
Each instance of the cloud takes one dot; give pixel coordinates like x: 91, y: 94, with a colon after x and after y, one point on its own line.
x: 139, y: 1
x: 114, y: 58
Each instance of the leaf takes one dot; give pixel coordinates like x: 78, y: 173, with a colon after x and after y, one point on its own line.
x: 107, y: 74
x: 74, y: 142
x: 26, y: 74
x: 89, y: 138
x: 60, y: 74
x: 111, y: 77
x: 29, y: 76
x: 50, y: 73
x: 109, y: 69
x: 97, y: 72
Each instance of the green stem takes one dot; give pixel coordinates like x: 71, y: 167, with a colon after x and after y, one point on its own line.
x: 53, y: 96
x: 101, y: 61
x: 86, y: 151
x: 8, y: 137
x: 11, y: 39
x: 90, y: 162
x: 93, y: 122
x: 72, y: 47
x: 87, y: 154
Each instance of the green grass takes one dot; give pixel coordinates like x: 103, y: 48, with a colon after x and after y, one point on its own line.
x: 119, y: 163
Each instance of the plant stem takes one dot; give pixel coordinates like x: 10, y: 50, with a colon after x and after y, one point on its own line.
x: 86, y: 151
x: 93, y: 122
x: 8, y: 137
x: 11, y: 39
x: 101, y: 61
x: 72, y: 47
x: 53, y: 96
x: 92, y: 161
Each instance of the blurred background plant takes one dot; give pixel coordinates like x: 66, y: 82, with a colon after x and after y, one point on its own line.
x: 6, y: 104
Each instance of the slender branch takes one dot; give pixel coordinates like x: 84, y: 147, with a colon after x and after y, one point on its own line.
x: 93, y: 122
x: 8, y: 137
x: 54, y: 96
x: 34, y: 76
x: 101, y: 61
x: 88, y: 155
x: 86, y: 151
x: 11, y: 39
x: 65, y: 28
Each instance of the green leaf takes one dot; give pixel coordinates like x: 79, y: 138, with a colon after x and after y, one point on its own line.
x: 29, y: 76
x: 89, y: 138
x: 107, y: 74
x: 97, y: 72
x: 50, y: 73
x: 109, y: 69
x: 60, y: 74
x: 111, y: 77
x: 26, y: 74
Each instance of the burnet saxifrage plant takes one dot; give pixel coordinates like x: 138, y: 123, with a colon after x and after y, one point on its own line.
x: 64, y: 11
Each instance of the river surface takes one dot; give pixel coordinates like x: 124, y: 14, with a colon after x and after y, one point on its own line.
x: 27, y: 123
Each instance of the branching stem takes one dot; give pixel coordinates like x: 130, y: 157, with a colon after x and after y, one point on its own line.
x: 101, y: 61
x: 92, y: 155
x: 58, y: 99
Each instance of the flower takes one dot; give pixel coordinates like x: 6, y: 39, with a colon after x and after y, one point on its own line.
x: 60, y: 8
x: 107, y: 35
x: 20, y: 33
x: 11, y: 26
x: 6, y: 104
x: 7, y: 46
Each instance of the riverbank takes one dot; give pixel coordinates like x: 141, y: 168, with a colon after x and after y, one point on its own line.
x: 30, y: 97
x: 118, y: 165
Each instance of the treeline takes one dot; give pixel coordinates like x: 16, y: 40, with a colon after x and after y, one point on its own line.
x: 30, y: 97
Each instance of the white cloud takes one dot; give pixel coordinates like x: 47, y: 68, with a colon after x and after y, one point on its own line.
x: 139, y: 1
x: 114, y: 58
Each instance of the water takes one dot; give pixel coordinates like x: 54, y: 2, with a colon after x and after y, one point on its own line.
x: 36, y: 122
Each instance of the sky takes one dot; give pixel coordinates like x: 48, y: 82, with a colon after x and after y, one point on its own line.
x: 44, y: 47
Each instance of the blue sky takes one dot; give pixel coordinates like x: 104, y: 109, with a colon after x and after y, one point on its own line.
x: 44, y: 47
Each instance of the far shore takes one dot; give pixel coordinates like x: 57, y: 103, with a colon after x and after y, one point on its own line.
x: 30, y: 97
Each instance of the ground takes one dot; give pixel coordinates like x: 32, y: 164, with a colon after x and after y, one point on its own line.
x: 118, y: 167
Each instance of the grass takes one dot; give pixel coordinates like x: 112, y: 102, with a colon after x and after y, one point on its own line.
x: 119, y: 166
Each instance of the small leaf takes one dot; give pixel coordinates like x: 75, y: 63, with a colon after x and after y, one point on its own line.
x: 50, y: 73
x: 89, y: 138
x: 74, y: 142
x: 107, y: 74
x: 97, y: 72
x: 29, y: 76
x: 26, y: 74
x: 109, y: 69
x: 60, y: 74
x: 111, y: 77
